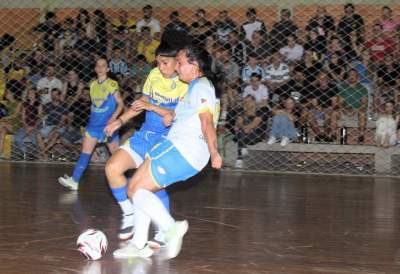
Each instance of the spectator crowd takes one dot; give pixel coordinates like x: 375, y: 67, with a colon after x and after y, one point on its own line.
x: 276, y: 83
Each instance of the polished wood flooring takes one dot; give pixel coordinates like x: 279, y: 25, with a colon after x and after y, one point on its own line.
x: 239, y: 223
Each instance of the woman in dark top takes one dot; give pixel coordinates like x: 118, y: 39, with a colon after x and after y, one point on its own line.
x: 30, y: 120
x: 71, y: 87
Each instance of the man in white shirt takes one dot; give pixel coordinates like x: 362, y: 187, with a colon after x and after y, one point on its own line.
x: 292, y: 52
x: 276, y: 74
x: 252, y: 24
x: 257, y: 90
x: 47, y: 84
x: 149, y: 21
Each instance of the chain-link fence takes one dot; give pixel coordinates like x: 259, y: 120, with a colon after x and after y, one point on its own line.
x: 304, y: 87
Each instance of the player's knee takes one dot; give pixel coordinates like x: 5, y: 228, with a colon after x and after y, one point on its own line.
x: 113, y: 168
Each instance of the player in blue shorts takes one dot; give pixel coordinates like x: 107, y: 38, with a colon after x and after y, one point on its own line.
x: 106, y: 106
x: 161, y: 93
x: 187, y: 149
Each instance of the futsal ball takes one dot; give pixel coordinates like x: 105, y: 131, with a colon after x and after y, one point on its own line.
x: 92, y: 244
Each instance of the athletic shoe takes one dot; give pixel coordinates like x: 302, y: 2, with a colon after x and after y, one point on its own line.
x: 68, y: 183
x: 158, y: 241
x: 271, y: 140
x: 174, y: 237
x: 131, y: 251
x: 126, y: 229
x: 239, y: 163
x: 285, y: 141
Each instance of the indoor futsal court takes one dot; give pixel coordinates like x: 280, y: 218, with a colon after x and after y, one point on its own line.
x: 239, y: 223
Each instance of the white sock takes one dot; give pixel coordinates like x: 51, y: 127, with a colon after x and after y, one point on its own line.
x: 152, y: 206
x: 126, y: 207
x: 142, y: 225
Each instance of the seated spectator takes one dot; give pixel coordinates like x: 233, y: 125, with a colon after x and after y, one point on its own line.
x: 310, y: 68
x: 253, y: 24
x: 250, y: 127
x: 294, y: 89
x: 388, y: 72
x: 322, y: 23
x: 230, y: 69
x: 252, y: 67
x: 51, y: 31
x: 350, y: 22
x: 101, y: 27
x: 334, y: 47
x: 30, y: 121
x: 352, y: 50
x: 238, y: 49
x: 84, y: 24
x: 123, y: 33
x: 176, y: 24
x: 292, y: 52
x: 282, y: 29
x: 78, y: 115
x: 336, y: 68
x: 139, y: 70
x: 47, y: 84
x: 277, y: 73
x: 389, y: 24
x: 230, y: 106
x: 123, y: 23
x: 384, y: 93
x: 70, y: 60
x: 317, y: 111
x: 316, y: 44
x: 283, y: 123
x: 149, y: 21
x: 201, y: 28
x: 386, y: 127
x: 38, y: 63
x: 223, y: 26
x: 12, y: 121
x: 379, y: 45
x: 147, y: 45
x: 72, y: 87
x: 53, y: 116
x: 117, y: 65
x: 69, y: 40
x: 353, y: 102
x: 259, y: 47
x: 258, y: 91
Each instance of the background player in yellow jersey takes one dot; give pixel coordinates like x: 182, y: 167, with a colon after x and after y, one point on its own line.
x: 106, y: 106
x: 161, y: 93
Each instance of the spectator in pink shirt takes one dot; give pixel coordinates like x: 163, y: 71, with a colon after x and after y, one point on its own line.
x: 389, y: 24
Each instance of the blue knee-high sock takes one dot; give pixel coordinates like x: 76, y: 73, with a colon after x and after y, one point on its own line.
x: 163, y: 196
x: 120, y: 194
x: 80, y: 166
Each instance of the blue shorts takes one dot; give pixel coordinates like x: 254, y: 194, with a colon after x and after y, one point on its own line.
x: 140, y: 143
x: 168, y: 166
x: 101, y: 136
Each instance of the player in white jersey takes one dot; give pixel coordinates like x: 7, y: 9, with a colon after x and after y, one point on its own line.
x: 189, y: 145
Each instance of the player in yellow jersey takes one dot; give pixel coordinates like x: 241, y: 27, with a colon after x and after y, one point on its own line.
x: 106, y: 106
x: 161, y: 93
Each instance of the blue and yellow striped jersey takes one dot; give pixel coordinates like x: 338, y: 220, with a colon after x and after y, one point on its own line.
x: 164, y: 92
x: 103, y: 103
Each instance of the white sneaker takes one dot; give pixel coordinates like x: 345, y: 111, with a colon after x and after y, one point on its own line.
x: 285, y: 141
x: 239, y: 163
x: 68, y: 183
x: 126, y: 229
x: 174, y: 237
x: 244, y: 151
x: 271, y: 140
x: 131, y: 251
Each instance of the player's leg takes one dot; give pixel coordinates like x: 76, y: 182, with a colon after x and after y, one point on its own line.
x: 116, y: 166
x: 88, y: 145
x: 166, y: 167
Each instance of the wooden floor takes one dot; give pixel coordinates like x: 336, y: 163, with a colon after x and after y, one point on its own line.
x: 239, y: 223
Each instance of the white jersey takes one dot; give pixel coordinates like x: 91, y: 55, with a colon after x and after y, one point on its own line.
x: 186, y: 133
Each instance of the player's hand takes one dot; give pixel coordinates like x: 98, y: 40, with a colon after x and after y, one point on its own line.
x: 168, y: 120
x: 216, y: 160
x: 139, y: 105
x: 112, y: 127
